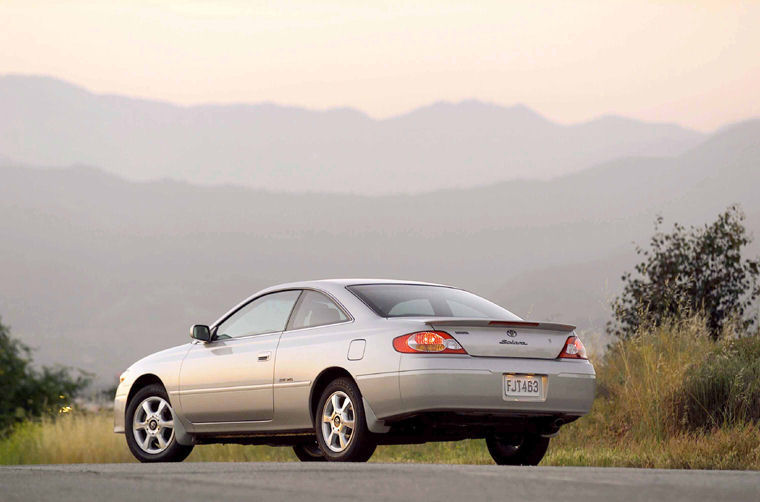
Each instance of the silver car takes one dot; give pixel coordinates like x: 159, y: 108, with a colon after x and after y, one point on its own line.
x: 334, y: 368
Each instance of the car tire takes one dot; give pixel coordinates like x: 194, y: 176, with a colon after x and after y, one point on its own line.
x: 150, y: 427
x: 340, y: 425
x: 309, y: 452
x: 517, y: 449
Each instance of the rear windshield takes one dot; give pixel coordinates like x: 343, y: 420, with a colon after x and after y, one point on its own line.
x: 412, y: 300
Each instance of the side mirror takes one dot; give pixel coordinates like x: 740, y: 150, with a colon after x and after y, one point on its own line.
x: 200, y: 332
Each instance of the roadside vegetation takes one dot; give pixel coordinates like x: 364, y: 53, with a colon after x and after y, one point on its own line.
x: 689, y: 271
x: 28, y: 393
x: 651, y: 389
x: 679, y: 388
x: 648, y: 388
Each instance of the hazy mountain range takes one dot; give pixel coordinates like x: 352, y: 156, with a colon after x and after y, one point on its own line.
x: 444, y: 145
x: 97, y: 270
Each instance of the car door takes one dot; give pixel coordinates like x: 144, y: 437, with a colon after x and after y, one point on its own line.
x: 316, y: 338
x: 230, y: 378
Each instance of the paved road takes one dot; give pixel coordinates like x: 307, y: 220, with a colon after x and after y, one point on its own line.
x: 269, y: 482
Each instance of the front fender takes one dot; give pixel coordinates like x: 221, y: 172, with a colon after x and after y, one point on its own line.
x: 120, y: 401
x: 162, y: 366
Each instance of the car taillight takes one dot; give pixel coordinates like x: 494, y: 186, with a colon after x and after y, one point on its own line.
x: 573, y: 349
x: 438, y: 342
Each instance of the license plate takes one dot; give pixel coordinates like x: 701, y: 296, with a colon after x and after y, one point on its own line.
x: 530, y: 387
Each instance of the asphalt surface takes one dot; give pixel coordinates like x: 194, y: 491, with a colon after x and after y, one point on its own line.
x: 210, y: 482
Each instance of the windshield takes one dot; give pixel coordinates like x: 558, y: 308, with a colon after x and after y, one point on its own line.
x: 415, y: 300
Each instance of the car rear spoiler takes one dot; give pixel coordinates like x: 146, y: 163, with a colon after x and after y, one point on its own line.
x: 491, y: 323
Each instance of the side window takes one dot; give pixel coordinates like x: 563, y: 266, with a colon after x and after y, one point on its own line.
x: 266, y: 314
x: 316, y: 309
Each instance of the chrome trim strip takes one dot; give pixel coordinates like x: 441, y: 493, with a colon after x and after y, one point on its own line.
x: 233, y: 423
x: 473, y: 371
x: 225, y: 389
x: 576, y: 375
x: 304, y: 383
x: 384, y: 374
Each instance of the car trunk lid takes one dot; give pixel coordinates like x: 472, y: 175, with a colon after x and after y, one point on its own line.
x: 499, y: 338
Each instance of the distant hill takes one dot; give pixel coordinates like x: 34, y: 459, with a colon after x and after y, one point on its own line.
x: 96, y: 271
x: 44, y: 121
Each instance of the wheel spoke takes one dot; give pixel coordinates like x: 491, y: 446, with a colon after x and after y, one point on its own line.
x: 161, y: 440
x: 348, y: 423
x: 342, y: 439
x: 326, y: 419
x: 146, y: 442
x: 161, y: 407
x: 166, y: 424
x: 335, y: 403
x: 146, y: 408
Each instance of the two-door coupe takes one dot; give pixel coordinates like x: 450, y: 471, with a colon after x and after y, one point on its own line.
x: 334, y: 368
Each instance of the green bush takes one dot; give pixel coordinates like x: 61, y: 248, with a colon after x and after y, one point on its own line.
x: 26, y: 392
x: 696, y: 270
x: 724, y: 388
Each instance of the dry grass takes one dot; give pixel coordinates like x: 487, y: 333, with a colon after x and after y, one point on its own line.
x: 633, y: 422
x: 637, y: 378
x: 736, y: 447
x: 89, y: 438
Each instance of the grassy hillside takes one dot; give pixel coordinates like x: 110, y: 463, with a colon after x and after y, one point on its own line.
x: 645, y: 387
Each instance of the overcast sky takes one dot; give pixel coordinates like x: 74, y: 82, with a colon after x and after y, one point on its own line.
x: 691, y: 62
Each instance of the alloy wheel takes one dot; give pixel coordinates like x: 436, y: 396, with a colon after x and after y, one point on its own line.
x: 338, y: 421
x: 153, y: 425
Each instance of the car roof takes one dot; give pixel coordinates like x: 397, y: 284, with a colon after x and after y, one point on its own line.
x: 350, y: 282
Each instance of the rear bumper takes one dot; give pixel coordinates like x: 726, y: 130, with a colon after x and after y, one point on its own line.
x: 476, y: 384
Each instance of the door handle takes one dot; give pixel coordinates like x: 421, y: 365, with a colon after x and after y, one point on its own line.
x: 264, y: 356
